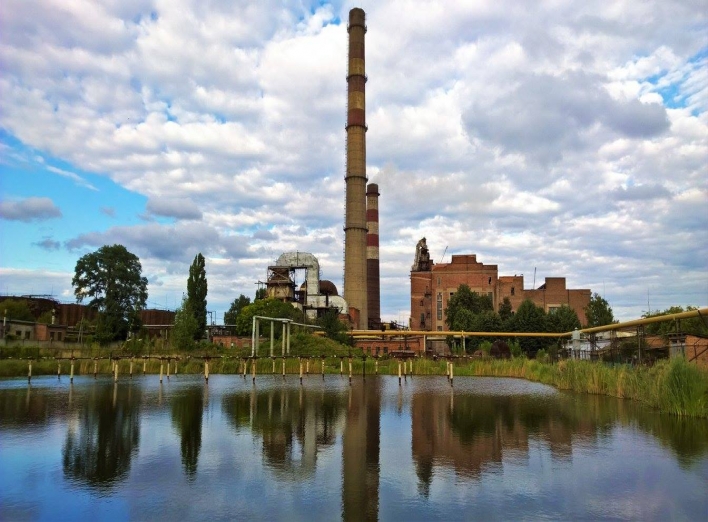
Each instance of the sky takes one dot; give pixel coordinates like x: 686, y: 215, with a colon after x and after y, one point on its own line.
x: 556, y: 138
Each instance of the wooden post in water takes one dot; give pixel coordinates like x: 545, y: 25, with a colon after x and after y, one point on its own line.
x: 447, y: 369
x: 452, y: 373
x: 350, y: 370
x: 29, y: 371
x: 169, y: 361
x: 307, y: 366
x: 399, y: 372
x: 206, y: 370
x: 161, y: 370
x: 300, y: 369
x: 131, y: 367
x: 323, y: 366
x: 376, y: 365
x: 341, y: 365
x: 115, y: 372
x: 71, y: 377
x: 144, y: 364
x: 59, y: 370
x: 95, y: 367
x: 175, y: 365
x: 411, y: 371
x: 283, y: 367
x: 245, y: 364
x: 273, y: 364
x: 253, y: 368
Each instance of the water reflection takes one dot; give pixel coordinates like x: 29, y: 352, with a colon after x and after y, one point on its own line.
x: 360, y: 452
x: 294, y: 425
x: 518, y: 448
x: 104, y: 436
x: 471, y: 433
x: 187, y: 410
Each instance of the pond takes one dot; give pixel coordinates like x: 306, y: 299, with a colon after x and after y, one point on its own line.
x: 487, y: 449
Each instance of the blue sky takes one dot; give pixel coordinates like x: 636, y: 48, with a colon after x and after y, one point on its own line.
x: 570, y: 139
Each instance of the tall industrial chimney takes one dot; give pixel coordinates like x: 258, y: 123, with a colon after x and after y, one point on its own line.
x: 372, y: 255
x: 355, y: 281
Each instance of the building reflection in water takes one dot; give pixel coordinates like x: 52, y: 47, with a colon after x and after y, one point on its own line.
x: 471, y: 433
x: 187, y: 410
x: 360, y: 452
x: 104, y: 437
x: 294, y: 424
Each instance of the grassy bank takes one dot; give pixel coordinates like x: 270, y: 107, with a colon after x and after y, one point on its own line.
x: 674, y: 387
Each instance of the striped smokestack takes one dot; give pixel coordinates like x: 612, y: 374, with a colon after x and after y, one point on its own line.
x: 372, y: 255
x: 355, y: 282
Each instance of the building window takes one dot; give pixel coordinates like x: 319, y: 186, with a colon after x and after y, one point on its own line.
x: 439, y: 307
x: 512, y: 290
x: 452, y: 293
x: 422, y: 319
x: 489, y: 282
x: 439, y: 328
x: 438, y: 280
x: 27, y: 334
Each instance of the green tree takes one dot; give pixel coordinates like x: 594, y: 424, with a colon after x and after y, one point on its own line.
x: 598, y: 312
x: 269, y: 307
x: 334, y: 328
x: 197, y: 293
x: 694, y: 325
x: 235, y: 308
x: 186, y: 326
x: 260, y: 294
x: 505, y: 310
x: 465, y: 298
x: 17, y: 309
x: 562, y: 320
x: 112, y: 278
x: 529, y: 318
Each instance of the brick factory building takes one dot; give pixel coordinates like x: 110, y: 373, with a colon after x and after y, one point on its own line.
x: 433, y: 285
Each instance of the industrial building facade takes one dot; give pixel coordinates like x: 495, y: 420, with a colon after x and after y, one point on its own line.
x: 433, y: 285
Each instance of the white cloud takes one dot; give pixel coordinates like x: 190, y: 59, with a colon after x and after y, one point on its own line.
x: 29, y: 209
x: 570, y: 136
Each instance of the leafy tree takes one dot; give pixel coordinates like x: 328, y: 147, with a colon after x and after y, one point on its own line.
x: 505, y: 310
x: 196, y: 294
x: 529, y: 318
x: 334, y: 328
x: 561, y: 320
x: 235, y: 308
x: 186, y: 326
x: 17, y: 309
x: 486, y: 321
x: 465, y: 298
x: 693, y: 325
x: 269, y: 307
x: 598, y: 312
x: 260, y: 294
x: 463, y: 321
x: 112, y: 278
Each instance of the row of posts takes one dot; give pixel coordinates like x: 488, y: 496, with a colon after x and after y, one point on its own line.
x: 405, y: 368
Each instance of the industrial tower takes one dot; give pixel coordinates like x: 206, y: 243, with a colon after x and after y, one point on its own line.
x: 355, y: 231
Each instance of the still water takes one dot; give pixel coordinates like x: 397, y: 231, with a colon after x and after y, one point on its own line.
x: 489, y: 449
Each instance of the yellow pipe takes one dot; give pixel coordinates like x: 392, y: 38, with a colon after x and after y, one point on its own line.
x: 373, y: 334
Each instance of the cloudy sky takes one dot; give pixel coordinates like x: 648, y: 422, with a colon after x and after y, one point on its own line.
x: 565, y: 137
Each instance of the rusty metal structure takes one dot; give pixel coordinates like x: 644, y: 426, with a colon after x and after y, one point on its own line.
x: 373, y: 286
x: 355, y: 231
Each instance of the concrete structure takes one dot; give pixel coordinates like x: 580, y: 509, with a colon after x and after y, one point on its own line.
x: 355, y: 279
x: 313, y: 297
x: 433, y: 285
x: 373, y: 286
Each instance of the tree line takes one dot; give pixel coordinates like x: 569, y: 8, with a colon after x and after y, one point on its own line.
x: 472, y: 312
